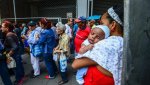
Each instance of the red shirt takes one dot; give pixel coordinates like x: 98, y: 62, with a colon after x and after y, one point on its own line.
x: 95, y: 77
x: 81, y: 35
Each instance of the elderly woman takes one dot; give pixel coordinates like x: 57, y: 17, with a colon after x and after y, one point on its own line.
x: 47, y: 40
x: 107, y: 53
x: 63, y: 47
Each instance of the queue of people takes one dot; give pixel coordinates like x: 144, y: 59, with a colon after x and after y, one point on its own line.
x: 97, y: 49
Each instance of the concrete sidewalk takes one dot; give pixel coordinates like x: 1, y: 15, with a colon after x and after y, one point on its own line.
x: 41, y: 80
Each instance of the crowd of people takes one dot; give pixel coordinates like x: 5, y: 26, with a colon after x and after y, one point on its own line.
x: 97, y: 49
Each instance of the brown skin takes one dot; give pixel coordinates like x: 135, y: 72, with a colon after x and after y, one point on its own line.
x: 4, y: 28
x: 115, y: 30
x: 92, y: 22
x: 95, y: 35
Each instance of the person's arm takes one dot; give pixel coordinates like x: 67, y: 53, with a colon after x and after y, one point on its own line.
x: 104, y: 71
x: 13, y: 45
x: 82, y: 62
x: 85, y: 48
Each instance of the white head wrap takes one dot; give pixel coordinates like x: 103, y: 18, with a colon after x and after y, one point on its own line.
x: 105, y: 29
x: 115, y: 16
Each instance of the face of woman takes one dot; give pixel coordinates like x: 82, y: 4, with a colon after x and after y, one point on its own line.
x: 4, y: 28
x: 104, y: 20
x: 59, y: 31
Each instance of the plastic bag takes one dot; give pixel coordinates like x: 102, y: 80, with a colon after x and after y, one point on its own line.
x: 55, y: 56
x: 63, y: 62
x: 11, y: 63
x: 37, y: 50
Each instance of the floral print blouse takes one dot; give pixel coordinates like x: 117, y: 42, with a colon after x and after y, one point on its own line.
x: 64, y: 43
x: 108, y: 53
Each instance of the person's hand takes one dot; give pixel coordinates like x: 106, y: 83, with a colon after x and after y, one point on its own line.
x: 23, y: 37
x: 90, y: 46
x: 54, y: 50
x: 8, y: 58
x: 58, y: 51
x: 11, y: 53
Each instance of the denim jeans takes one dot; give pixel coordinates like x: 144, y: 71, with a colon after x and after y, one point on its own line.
x: 4, y: 73
x: 63, y: 74
x: 50, y: 64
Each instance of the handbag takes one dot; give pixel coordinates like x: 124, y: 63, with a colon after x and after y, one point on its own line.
x: 63, y: 62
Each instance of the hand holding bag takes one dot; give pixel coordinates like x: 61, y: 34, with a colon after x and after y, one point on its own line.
x: 10, y: 62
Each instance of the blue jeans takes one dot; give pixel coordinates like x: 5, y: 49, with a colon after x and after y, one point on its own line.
x: 19, y: 70
x: 4, y: 73
x: 50, y: 64
x: 63, y: 74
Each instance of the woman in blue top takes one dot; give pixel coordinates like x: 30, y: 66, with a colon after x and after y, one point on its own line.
x: 47, y: 39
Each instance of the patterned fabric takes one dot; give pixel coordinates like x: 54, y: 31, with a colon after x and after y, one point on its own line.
x: 32, y: 39
x: 108, y: 53
x: 64, y: 43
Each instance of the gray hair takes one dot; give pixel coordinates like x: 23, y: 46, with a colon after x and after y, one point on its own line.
x: 61, y: 26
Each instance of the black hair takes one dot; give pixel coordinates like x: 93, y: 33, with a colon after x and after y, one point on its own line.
x: 119, y: 11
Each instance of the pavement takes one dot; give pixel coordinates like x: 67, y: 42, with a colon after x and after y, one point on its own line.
x: 40, y: 80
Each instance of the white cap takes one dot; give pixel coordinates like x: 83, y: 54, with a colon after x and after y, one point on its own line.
x: 105, y: 29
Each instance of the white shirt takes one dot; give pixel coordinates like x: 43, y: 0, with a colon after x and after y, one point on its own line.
x: 68, y: 30
x: 108, y: 53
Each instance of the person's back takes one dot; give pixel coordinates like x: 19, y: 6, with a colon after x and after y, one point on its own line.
x: 11, y: 42
x: 50, y: 40
x: 47, y: 36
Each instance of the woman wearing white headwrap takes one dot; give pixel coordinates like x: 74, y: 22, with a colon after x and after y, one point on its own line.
x: 107, y: 53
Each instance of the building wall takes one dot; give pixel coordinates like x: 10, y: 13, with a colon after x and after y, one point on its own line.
x: 22, y: 8
x: 137, y: 43
x: 101, y: 6
x: 57, y: 8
